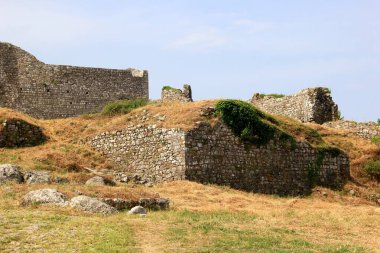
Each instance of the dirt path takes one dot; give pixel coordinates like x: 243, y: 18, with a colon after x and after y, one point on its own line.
x: 149, y: 235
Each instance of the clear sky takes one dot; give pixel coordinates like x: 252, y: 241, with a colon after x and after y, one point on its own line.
x: 222, y: 48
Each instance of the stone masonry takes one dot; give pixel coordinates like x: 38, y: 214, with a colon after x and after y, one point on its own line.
x: 172, y: 94
x: 366, y: 130
x: 308, y: 105
x: 215, y: 155
x: 19, y: 133
x: 54, y: 91
x: 149, y: 153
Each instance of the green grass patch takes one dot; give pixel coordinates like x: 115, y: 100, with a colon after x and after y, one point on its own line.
x: 123, y: 106
x: 372, y: 169
x: 237, y: 232
x: 376, y: 139
x: 273, y: 95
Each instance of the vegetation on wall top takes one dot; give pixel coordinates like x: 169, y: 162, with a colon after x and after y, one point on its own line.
x: 169, y: 88
x: 273, y: 95
x: 249, y: 123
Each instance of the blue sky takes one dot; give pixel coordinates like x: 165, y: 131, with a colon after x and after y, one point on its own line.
x: 223, y: 48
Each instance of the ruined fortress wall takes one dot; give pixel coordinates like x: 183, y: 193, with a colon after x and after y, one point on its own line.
x: 366, y: 130
x: 55, y: 91
x: 308, y: 105
x: 152, y: 154
x: 177, y: 95
x: 214, y: 155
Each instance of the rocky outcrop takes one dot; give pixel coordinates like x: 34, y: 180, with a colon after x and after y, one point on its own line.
x: 100, y: 181
x: 11, y: 173
x: 44, y: 196
x: 91, y: 205
x: 148, y: 203
x: 37, y: 177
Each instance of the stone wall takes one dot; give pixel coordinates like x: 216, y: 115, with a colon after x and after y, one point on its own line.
x: 366, y: 130
x: 171, y: 94
x: 55, y: 91
x: 308, y: 105
x: 150, y: 154
x: 19, y: 133
x: 214, y: 155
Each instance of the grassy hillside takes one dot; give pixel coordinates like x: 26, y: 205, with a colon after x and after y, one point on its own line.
x: 203, y: 218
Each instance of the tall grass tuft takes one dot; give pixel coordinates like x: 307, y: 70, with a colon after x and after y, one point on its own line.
x: 123, y: 106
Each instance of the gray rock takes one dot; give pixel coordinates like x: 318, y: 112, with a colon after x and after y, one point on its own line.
x: 100, y: 181
x: 137, y: 210
x: 120, y: 204
x: 154, y: 203
x: 43, y: 196
x: 91, y: 205
x: 121, y: 177
x: 62, y: 180
x: 10, y: 172
x: 37, y: 177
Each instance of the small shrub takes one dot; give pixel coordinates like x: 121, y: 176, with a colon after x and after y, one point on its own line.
x: 246, y: 121
x: 123, y: 106
x: 326, y: 90
x: 339, y: 116
x: 372, y: 169
x: 376, y: 139
x: 378, y: 122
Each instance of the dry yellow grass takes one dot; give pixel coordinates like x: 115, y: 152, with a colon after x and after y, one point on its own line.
x: 218, y: 219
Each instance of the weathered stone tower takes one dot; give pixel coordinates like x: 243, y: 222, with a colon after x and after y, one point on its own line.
x: 308, y: 105
x: 55, y: 91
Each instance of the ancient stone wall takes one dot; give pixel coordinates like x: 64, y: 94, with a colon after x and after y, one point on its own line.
x: 55, y: 91
x: 366, y: 130
x: 308, y: 105
x: 150, y: 154
x: 214, y: 155
x: 19, y: 133
x: 171, y: 94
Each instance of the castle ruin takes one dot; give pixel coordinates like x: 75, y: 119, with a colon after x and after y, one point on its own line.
x: 55, y: 91
x: 308, y: 105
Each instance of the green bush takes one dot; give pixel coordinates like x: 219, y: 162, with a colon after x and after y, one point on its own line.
x: 123, y: 106
x: 246, y: 121
x: 372, y: 169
